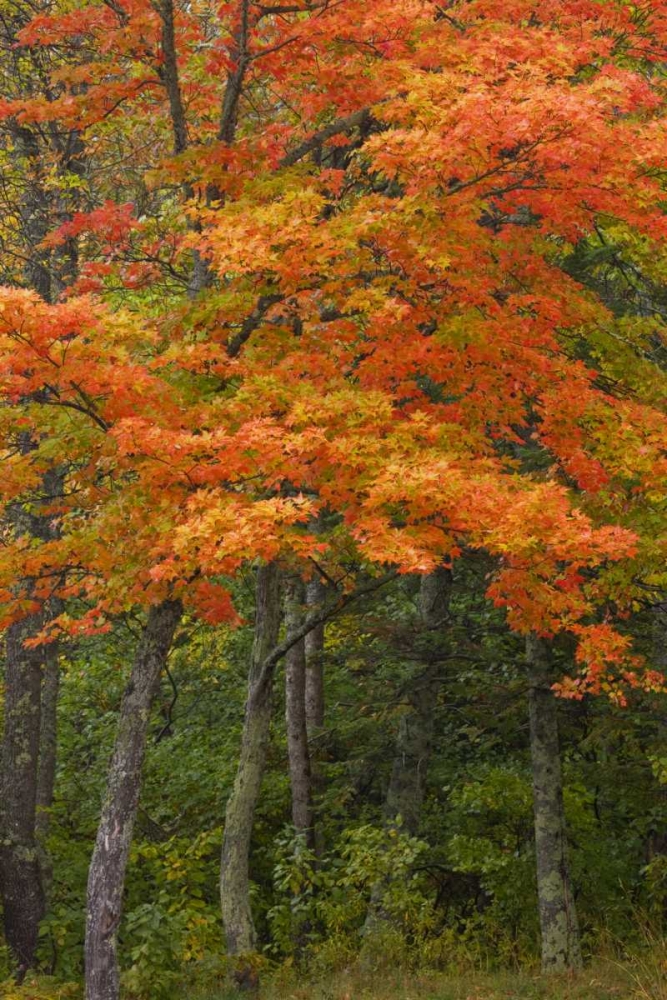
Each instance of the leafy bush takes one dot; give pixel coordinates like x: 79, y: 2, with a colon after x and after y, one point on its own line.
x: 323, y: 904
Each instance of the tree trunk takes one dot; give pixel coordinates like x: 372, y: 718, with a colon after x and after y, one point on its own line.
x: 558, y: 919
x: 656, y: 842
x: 21, y: 877
x: 27, y: 766
x: 295, y: 718
x: 106, y: 875
x: 415, y: 731
x: 405, y: 793
x: 239, y: 817
x: 314, y: 694
x: 46, y: 774
x: 22, y: 891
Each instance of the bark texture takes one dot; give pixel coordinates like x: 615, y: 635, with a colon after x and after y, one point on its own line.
x: 21, y: 882
x: 314, y: 649
x: 46, y: 772
x: 295, y: 717
x: 169, y: 75
x: 106, y: 875
x: 558, y: 919
x: 28, y: 767
x: 21, y: 861
x: 22, y: 890
x: 239, y: 816
x: 656, y: 842
x: 405, y: 792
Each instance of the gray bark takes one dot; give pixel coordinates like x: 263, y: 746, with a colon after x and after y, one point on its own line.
x: 558, y: 919
x: 239, y: 817
x: 656, y: 843
x: 21, y: 878
x: 27, y: 766
x: 240, y: 57
x: 314, y: 649
x: 169, y: 74
x: 106, y: 875
x: 46, y: 773
x: 35, y: 213
x: 21, y: 881
x: 266, y: 654
x: 295, y: 718
x: 22, y: 890
x: 316, y: 594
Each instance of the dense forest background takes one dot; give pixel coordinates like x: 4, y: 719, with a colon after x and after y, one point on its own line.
x: 459, y: 883
x: 332, y: 500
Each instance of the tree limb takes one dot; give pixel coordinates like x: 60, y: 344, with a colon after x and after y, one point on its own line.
x: 310, y: 623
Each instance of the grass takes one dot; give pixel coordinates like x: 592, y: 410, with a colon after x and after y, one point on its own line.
x: 641, y: 978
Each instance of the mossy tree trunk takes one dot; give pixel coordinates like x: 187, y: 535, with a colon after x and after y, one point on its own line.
x: 656, y: 841
x: 240, y: 812
x: 316, y: 593
x: 22, y: 890
x: 106, y: 876
x: 266, y: 654
x: 21, y: 878
x: 23, y: 867
x: 48, y: 746
x: 295, y: 718
x: 558, y: 919
x: 28, y: 765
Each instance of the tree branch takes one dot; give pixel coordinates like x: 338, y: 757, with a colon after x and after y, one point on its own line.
x: 310, y: 623
x: 355, y: 120
x: 251, y: 323
x: 169, y: 74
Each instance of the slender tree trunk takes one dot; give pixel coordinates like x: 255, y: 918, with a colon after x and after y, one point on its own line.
x: 28, y: 767
x: 314, y: 649
x: 22, y: 891
x: 106, y: 876
x: 239, y: 817
x: 46, y: 774
x: 558, y: 919
x: 405, y: 792
x: 298, y: 752
x: 316, y: 594
x: 415, y: 732
x: 656, y: 842
x: 295, y: 718
x: 21, y: 880
x: 266, y: 653
x: 169, y: 74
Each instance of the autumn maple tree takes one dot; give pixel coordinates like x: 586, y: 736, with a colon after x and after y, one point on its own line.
x: 326, y: 320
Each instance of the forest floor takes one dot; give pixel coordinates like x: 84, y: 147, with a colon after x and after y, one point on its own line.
x: 643, y: 978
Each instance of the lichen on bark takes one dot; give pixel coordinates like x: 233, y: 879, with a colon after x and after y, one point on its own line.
x: 561, y: 949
